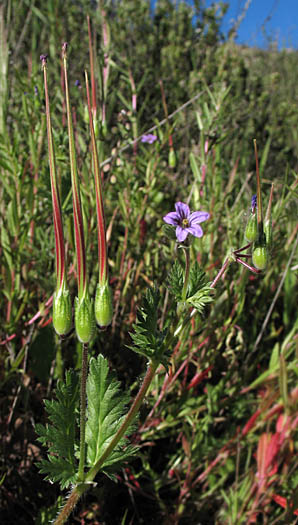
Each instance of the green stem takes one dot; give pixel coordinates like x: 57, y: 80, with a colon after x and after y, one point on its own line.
x: 83, y: 411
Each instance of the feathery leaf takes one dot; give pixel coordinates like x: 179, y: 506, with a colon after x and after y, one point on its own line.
x: 148, y: 339
x: 60, y: 435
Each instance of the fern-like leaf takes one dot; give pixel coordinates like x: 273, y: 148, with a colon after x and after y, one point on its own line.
x: 147, y: 338
x: 198, y: 290
x: 175, y: 280
x: 60, y: 435
x: 105, y: 415
x: 197, y: 280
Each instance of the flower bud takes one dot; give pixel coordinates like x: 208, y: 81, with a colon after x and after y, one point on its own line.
x: 62, y: 311
x: 251, y: 229
x: 84, y: 318
x: 103, y: 304
x: 172, y: 158
x: 260, y: 256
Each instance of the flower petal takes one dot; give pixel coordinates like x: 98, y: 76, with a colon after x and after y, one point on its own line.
x: 181, y: 233
x: 172, y: 218
x: 183, y: 210
x: 149, y: 138
x: 198, y: 216
x: 195, y: 230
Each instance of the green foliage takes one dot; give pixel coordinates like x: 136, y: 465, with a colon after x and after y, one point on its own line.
x: 60, y: 435
x: 148, y: 339
x: 190, y: 465
x: 105, y: 415
x: 198, y: 290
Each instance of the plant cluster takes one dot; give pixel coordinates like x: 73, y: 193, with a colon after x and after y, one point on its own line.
x: 148, y: 356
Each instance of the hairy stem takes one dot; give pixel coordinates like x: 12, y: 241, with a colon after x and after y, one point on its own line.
x: 83, y: 411
x: 220, y: 273
x: 70, y: 504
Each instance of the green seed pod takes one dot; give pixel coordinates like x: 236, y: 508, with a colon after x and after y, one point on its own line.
x: 172, y: 159
x: 103, y: 304
x: 260, y: 256
x: 268, y: 232
x: 251, y: 229
x: 62, y: 311
x: 84, y: 319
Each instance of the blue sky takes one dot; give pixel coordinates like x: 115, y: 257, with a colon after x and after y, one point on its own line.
x: 274, y: 19
x: 265, y: 19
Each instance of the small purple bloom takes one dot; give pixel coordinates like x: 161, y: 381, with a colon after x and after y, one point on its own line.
x: 150, y: 138
x: 185, y: 221
x: 253, y: 203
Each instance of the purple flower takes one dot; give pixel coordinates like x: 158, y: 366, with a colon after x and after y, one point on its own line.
x: 150, y: 138
x: 185, y: 221
x: 253, y: 203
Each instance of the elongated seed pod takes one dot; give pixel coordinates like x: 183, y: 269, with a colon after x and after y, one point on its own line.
x: 84, y: 319
x: 251, y: 230
x: 103, y: 304
x: 62, y: 311
x: 268, y: 232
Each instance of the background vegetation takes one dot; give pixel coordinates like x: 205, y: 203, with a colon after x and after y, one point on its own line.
x: 218, y: 433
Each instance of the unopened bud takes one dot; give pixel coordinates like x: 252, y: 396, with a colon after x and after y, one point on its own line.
x: 84, y: 318
x: 251, y: 229
x: 62, y: 312
x: 103, y: 304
